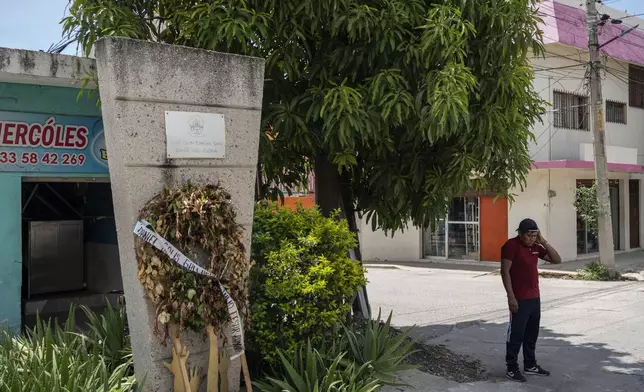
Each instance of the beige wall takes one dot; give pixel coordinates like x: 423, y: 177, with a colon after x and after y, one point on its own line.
x: 403, y: 246
x: 556, y: 216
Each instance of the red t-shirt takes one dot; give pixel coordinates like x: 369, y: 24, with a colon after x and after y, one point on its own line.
x: 524, y: 273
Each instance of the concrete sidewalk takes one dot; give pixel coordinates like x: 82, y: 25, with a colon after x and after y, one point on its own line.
x: 625, y: 262
x: 632, y: 261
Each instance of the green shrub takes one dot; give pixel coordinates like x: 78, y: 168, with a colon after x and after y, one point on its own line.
x: 50, y: 358
x: 309, y: 371
x: 596, y: 271
x: 303, y: 282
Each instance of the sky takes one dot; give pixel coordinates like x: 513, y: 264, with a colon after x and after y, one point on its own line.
x: 32, y: 24
x: 630, y: 6
x: 35, y: 24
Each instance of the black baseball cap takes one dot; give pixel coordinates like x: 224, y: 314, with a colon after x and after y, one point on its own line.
x: 528, y: 226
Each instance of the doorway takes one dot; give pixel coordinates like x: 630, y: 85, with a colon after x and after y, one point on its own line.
x: 587, y: 237
x: 634, y: 212
x: 70, y: 251
x: 457, y: 236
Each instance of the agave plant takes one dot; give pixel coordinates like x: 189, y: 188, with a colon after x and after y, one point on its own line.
x: 54, y: 358
x: 380, y: 347
x: 108, y: 332
x: 308, y: 371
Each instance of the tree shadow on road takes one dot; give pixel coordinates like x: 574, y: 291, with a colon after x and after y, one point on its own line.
x: 575, y: 363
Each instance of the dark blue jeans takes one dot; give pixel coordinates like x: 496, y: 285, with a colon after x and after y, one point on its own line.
x: 523, y: 331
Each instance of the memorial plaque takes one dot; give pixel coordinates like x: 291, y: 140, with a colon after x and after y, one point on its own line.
x: 195, y: 135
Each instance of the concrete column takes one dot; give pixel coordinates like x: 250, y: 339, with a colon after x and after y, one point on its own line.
x: 624, y: 218
x: 11, y: 255
x: 138, y: 82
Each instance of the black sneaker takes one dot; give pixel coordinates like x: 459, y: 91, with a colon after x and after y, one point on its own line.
x: 536, y: 370
x: 515, y: 375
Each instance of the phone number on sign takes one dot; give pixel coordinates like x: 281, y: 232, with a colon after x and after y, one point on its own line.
x: 48, y: 158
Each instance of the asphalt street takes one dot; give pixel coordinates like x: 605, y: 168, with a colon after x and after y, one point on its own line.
x: 592, y: 336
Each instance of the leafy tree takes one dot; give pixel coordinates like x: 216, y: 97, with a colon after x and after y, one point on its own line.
x: 398, y: 105
x: 587, y: 205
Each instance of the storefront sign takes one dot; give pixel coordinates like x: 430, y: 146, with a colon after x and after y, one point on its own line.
x: 31, y: 142
x: 195, y: 135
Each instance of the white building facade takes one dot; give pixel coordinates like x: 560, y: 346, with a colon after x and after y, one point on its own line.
x: 477, y: 226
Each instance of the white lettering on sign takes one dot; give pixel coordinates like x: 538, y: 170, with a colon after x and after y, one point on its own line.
x: 235, y: 342
x: 195, y: 135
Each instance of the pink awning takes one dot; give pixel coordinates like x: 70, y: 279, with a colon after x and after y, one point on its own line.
x: 567, y: 25
x: 569, y: 164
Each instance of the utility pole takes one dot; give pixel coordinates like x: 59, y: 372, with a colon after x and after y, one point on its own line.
x: 604, y: 221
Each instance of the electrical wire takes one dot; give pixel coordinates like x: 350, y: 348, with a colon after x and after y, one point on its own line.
x: 554, y: 68
x: 555, y: 132
x: 631, y: 16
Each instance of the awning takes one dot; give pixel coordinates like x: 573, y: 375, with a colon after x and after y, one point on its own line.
x: 569, y: 164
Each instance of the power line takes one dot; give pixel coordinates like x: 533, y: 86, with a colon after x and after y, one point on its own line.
x: 631, y: 16
x: 555, y: 68
x: 556, y: 81
x: 567, y: 57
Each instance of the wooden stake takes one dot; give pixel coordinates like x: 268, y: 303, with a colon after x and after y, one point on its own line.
x: 182, y: 353
x: 244, y: 363
x: 175, y: 368
x: 223, y: 370
x: 213, y: 361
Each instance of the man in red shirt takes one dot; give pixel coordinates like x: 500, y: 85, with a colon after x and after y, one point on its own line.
x: 519, y: 257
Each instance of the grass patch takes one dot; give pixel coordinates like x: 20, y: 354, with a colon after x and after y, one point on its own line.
x: 598, y: 272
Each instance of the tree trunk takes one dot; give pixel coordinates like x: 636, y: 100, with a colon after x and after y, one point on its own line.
x: 333, y: 191
x: 259, y: 194
x: 327, y: 185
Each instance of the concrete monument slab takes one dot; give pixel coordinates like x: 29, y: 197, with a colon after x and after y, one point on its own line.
x: 139, y: 81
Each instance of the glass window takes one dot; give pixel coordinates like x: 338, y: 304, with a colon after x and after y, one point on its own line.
x: 458, y: 236
x: 435, y: 239
x: 570, y: 111
x: 464, y: 209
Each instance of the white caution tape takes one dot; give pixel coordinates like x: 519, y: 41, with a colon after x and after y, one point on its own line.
x: 235, y: 344
x: 166, y: 247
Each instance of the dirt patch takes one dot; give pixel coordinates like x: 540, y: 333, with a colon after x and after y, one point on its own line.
x: 440, y: 361
x: 559, y: 275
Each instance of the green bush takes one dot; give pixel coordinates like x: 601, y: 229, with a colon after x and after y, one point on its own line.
x: 303, y: 282
x: 53, y: 358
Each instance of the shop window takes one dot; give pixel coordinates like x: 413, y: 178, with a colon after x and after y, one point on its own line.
x: 456, y: 236
x: 616, y: 112
x: 570, y: 111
